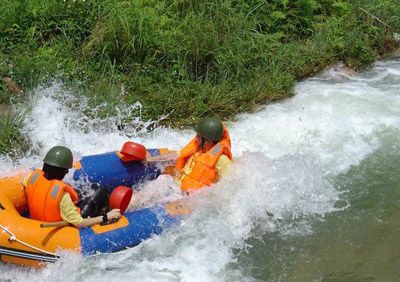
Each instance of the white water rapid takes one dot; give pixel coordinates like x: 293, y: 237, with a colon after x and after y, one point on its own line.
x: 285, y: 155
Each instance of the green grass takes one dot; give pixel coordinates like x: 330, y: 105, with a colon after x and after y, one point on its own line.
x: 12, y: 142
x: 185, y: 59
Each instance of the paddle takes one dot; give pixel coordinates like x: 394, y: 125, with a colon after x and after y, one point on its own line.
x: 54, y: 224
x: 132, y: 151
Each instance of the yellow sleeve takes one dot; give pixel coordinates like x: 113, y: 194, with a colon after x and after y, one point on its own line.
x: 68, y: 211
x: 223, y: 164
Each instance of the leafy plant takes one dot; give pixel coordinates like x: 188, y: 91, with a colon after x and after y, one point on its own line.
x: 183, y: 59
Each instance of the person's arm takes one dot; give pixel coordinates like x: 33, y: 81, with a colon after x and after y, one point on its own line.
x: 70, y: 214
x: 168, y: 157
x: 113, y: 214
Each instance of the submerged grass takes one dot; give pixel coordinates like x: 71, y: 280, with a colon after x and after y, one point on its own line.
x: 184, y: 59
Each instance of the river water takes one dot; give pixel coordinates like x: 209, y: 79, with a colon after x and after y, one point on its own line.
x: 313, y: 195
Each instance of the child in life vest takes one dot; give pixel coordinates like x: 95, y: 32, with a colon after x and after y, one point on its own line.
x: 199, y: 164
x: 52, y: 200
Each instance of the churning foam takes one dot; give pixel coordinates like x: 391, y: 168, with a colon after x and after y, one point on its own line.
x: 284, y: 156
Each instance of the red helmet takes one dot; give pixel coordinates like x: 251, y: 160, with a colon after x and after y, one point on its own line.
x: 134, y: 151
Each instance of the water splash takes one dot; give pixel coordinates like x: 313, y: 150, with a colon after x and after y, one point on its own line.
x: 285, y: 155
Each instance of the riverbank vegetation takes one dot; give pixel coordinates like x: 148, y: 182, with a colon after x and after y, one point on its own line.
x: 11, y: 140
x: 183, y: 59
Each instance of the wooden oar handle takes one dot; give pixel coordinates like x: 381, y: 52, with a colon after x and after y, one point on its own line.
x: 54, y: 224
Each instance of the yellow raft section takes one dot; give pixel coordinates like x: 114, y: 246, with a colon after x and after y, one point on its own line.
x: 22, y: 240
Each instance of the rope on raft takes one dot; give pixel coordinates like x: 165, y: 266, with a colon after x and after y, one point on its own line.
x: 14, y: 238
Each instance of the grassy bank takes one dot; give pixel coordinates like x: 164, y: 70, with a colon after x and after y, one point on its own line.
x: 185, y: 58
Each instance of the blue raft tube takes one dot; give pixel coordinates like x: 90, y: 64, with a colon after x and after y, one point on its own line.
x: 109, y: 171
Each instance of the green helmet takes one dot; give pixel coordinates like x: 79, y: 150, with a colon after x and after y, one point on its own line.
x: 211, y: 128
x: 59, y: 156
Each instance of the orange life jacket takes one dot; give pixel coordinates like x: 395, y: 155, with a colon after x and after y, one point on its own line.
x: 203, y: 171
x: 44, y: 196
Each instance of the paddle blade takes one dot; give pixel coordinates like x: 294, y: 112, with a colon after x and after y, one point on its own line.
x: 120, y: 198
x: 134, y: 151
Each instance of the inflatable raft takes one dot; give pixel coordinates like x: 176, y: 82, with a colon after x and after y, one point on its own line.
x: 23, y: 240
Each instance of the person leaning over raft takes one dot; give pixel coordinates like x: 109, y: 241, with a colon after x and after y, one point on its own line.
x: 50, y: 199
x: 199, y: 164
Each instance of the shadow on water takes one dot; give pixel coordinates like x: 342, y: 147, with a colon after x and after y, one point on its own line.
x: 358, y: 243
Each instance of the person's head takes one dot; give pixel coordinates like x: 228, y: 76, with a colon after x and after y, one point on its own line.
x: 210, y: 130
x: 57, y: 162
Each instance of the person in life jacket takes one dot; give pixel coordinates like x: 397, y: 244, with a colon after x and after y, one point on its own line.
x: 199, y: 164
x: 50, y: 199
x: 203, y: 160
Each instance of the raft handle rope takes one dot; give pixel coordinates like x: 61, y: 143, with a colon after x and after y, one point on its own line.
x: 14, y: 238
x: 395, y: 35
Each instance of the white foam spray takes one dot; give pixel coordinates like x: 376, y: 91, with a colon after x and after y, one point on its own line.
x: 284, y: 157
